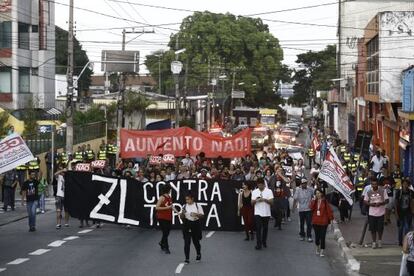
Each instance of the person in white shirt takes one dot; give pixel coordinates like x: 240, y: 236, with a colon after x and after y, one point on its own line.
x: 191, y: 214
x: 377, y: 162
x: 187, y: 161
x: 60, y: 199
x: 262, y: 199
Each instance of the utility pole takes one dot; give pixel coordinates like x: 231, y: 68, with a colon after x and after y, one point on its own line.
x: 177, y: 91
x: 125, y: 32
x: 69, y: 78
x: 231, y: 94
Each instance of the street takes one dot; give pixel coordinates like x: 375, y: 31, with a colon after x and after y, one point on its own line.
x: 115, y: 250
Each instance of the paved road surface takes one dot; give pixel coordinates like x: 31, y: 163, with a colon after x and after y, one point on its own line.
x: 114, y: 250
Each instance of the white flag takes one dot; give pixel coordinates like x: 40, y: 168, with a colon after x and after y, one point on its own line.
x: 333, y: 173
x: 13, y: 152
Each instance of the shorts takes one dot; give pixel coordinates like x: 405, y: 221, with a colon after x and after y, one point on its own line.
x: 376, y: 224
x: 60, y: 203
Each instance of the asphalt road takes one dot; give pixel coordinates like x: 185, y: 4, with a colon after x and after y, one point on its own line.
x: 115, y: 250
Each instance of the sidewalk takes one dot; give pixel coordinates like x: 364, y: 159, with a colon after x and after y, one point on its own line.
x: 385, y: 261
x: 20, y: 211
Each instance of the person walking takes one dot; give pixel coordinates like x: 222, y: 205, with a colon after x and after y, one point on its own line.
x: 322, y: 215
x: 262, y: 199
x: 303, y: 196
x: 278, y: 206
x: 191, y: 215
x: 10, y: 181
x: 404, y: 207
x: 246, y: 210
x: 376, y: 198
x: 60, y: 200
x: 42, y: 192
x: 408, y: 248
x: 30, y: 192
x: 164, y: 210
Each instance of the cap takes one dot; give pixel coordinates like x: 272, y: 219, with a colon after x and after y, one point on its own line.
x: 304, y: 180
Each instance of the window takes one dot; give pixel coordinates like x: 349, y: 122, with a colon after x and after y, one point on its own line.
x: 24, y: 80
x: 5, y: 34
x: 373, y: 66
x: 5, y: 80
x: 35, y: 28
x: 24, y: 37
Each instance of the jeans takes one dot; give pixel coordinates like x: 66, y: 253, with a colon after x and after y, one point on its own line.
x: 31, y: 211
x: 320, y: 235
x: 165, y: 226
x: 42, y: 201
x: 404, y: 226
x: 262, y: 224
x: 305, y: 217
x: 192, y: 231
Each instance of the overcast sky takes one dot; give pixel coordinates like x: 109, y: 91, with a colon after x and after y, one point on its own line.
x: 133, y: 13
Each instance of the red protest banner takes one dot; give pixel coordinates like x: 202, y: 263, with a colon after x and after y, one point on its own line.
x: 83, y: 167
x: 316, y: 145
x: 98, y: 164
x: 182, y: 140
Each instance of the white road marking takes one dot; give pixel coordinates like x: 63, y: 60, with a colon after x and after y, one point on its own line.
x: 2, y: 269
x: 39, y: 252
x: 85, y: 231
x: 209, y: 234
x: 71, y: 238
x: 56, y: 243
x: 18, y: 261
x: 179, y: 268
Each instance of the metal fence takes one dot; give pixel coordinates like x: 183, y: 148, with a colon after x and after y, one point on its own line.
x: 42, y: 142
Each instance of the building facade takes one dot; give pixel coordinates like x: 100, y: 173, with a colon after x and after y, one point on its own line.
x: 27, y: 53
x: 383, y: 53
x: 354, y: 16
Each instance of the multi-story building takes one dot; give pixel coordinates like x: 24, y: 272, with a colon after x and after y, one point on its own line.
x: 354, y: 16
x: 384, y: 52
x: 27, y: 53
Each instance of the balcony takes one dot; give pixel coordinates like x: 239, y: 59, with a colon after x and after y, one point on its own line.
x: 334, y: 96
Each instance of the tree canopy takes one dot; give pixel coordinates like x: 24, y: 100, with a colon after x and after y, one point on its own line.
x: 319, y: 68
x: 80, y: 58
x: 223, y: 44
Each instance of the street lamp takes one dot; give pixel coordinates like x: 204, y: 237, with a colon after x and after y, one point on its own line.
x: 176, y: 67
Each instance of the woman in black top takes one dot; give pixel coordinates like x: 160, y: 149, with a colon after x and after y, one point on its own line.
x: 246, y: 210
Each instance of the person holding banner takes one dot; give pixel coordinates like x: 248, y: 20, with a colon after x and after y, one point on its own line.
x: 191, y: 215
x: 164, y: 210
x: 246, y: 210
x: 262, y: 200
x: 376, y: 198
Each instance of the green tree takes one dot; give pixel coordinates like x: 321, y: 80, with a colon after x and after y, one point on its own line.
x: 30, y: 117
x: 134, y: 107
x: 80, y: 59
x: 228, y: 44
x: 4, y: 125
x: 318, y: 70
x: 92, y: 115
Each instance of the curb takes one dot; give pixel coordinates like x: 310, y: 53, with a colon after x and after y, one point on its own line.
x: 353, y: 264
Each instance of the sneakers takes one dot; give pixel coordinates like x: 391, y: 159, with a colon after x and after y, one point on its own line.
x: 32, y: 229
x: 322, y: 254
x: 374, y: 245
x: 58, y: 226
x: 187, y: 261
x: 302, y: 238
x: 289, y: 219
x: 198, y: 258
x: 318, y: 250
x: 310, y: 240
x: 379, y: 244
x: 66, y: 225
x: 42, y: 211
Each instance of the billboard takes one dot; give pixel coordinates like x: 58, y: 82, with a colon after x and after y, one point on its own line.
x: 120, y: 61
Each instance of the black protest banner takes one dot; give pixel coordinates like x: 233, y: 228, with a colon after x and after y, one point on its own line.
x: 128, y: 201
